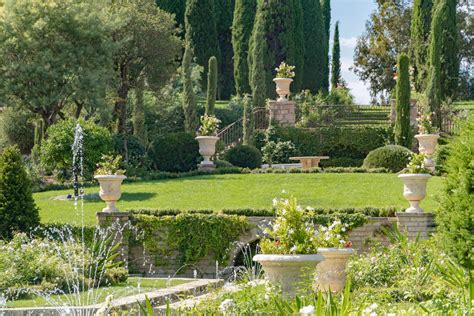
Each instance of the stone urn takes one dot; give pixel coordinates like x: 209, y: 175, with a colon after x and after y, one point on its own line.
x: 110, y: 190
x: 207, y: 149
x: 414, y: 189
x: 427, y: 145
x: 331, y: 273
x: 290, y: 272
x: 283, y: 88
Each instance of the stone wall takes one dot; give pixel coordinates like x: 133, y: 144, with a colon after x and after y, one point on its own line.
x: 282, y: 113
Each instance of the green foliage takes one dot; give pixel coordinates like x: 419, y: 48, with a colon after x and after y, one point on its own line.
x: 176, y: 152
x: 248, y: 121
x: 17, y: 128
x: 109, y: 165
x: 455, y: 216
x: 299, y: 45
x: 278, y: 152
x: 138, y: 116
x: 244, y: 156
x: 326, y: 13
x: 222, y: 164
x: 244, y: 16
x: 420, y: 33
x: 402, y: 129
x: 211, y: 86
x: 313, y: 29
x: 416, y: 164
x: 18, y: 212
x: 209, y: 125
x: 194, y: 236
x: 201, y: 32
x: 56, y: 154
x: 189, y: 98
x: 135, y: 150
x: 285, y: 71
x: 336, y: 60
x: 393, y: 157
x: 177, y: 7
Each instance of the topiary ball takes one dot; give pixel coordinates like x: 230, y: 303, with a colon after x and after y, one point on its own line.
x: 393, y: 157
x: 244, y: 156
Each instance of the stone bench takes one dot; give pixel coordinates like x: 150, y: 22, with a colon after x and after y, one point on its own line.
x: 308, y: 162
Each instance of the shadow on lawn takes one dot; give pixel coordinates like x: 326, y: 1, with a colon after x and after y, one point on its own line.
x: 137, y: 196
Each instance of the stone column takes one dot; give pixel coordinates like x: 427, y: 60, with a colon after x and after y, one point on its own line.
x: 416, y: 224
x: 282, y: 113
x: 117, y: 224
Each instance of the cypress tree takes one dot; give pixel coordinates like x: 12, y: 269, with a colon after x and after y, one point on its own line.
x: 211, y: 86
x: 275, y: 23
x: 336, y: 59
x: 189, y: 99
x: 201, y: 32
x: 326, y: 11
x: 313, y: 30
x: 420, y: 33
x: 248, y: 126
x: 257, y: 51
x: 244, y: 17
x: 402, y: 127
x: 138, y: 117
x: 18, y: 212
x: 299, y: 46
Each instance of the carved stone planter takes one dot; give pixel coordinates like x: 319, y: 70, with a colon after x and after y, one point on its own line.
x: 283, y: 87
x: 414, y: 190
x: 290, y: 272
x: 207, y: 149
x: 110, y: 190
x: 331, y: 273
x: 427, y: 145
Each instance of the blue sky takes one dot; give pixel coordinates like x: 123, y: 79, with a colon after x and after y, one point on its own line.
x: 352, y: 15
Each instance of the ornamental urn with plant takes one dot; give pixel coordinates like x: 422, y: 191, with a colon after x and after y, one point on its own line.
x: 336, y: 250
x: 110, y: 178
x: 207, y: 139
x: 427, y: 139
x: 284, y: 77
x: 415, y: 177
x: 289, y: 249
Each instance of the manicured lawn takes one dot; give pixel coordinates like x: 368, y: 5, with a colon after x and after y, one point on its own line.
x: 133, y: 286
x: 242, y: 191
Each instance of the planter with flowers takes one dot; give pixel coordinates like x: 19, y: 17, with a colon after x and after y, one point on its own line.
x: 110, y: 178
x: 415, y: 177
x: 284, y: 78
x: 427, y: 139
x: 336, y: 250
x: 290, y: 249
x: 207, y: 138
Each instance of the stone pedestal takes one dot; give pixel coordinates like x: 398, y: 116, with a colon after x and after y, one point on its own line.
x: 416, y: 224
x: 116, y: 224
x: 206, y: 167
x: 282, y: 113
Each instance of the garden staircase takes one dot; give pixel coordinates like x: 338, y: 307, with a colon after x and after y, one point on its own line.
x: 232, y: 134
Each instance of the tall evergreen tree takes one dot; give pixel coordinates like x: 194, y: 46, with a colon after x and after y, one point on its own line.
x: 402, y: 129
x: 248, y: 122
x: 326, y: 11
x: 201, y: 32
x: 138, y: 117
x: 336, y: 59
x: 244, y: 17
x: 189, y: 99
x: 211, y: 86
x: 224, y: 13
x: 177, y: 7
x: 273, y: 41
x: 420, y: 33
x: 299, y: 46
x: 313, y: 30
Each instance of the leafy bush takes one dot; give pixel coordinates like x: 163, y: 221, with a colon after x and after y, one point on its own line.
x: 222, y: 164
x: 392, y: 157
x: 18, y: 211
x: 341, y: 162
x: 16, y: 128
x: 56, y: 154
x: 456, y: 214
x: 176, y: 152
x: 136, y: 152
x: 440, y: 156
x: 278, y: 152
x: 244, y: 156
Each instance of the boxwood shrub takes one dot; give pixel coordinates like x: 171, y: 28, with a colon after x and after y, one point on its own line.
x: 393, y: 157
x: 244, y: 156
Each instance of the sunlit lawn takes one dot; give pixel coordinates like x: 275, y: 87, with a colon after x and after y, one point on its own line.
x: 133, y: 286
x: 242, y: 191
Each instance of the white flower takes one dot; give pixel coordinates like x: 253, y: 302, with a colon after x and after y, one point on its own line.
x: 227, y: 306
x: 293, y: 249
x: 291, y: 231
x: 343, y: 229
x: 309, y: 208
x: 373, y: 306
x: 342, y: 241
x: 275, y: 202
x: 308, y: 311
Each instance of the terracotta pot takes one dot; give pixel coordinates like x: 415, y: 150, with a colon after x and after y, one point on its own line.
x: 207, y: 149
x: 110, y: 190
x: 427, y: 145
x: 331, y: 273
x: 283, y: 87
x: 414, y: 190
x: 289, y: 271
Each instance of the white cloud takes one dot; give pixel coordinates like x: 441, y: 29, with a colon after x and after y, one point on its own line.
x: 360, y: 91
x: 350, y: 42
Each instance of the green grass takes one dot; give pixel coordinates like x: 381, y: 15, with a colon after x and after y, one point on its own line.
x: 464, y: 105
x: 242, y: 191
x: 131, y: 287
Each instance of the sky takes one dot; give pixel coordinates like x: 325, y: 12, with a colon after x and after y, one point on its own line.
x: 352, y: 15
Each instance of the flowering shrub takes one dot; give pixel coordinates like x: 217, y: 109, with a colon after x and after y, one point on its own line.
x: 334, y: 235
x: 425, y: 125
x: 416, y: 164
x: 209, y: 125
x: 291, y: 233
x: 285, y: 71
